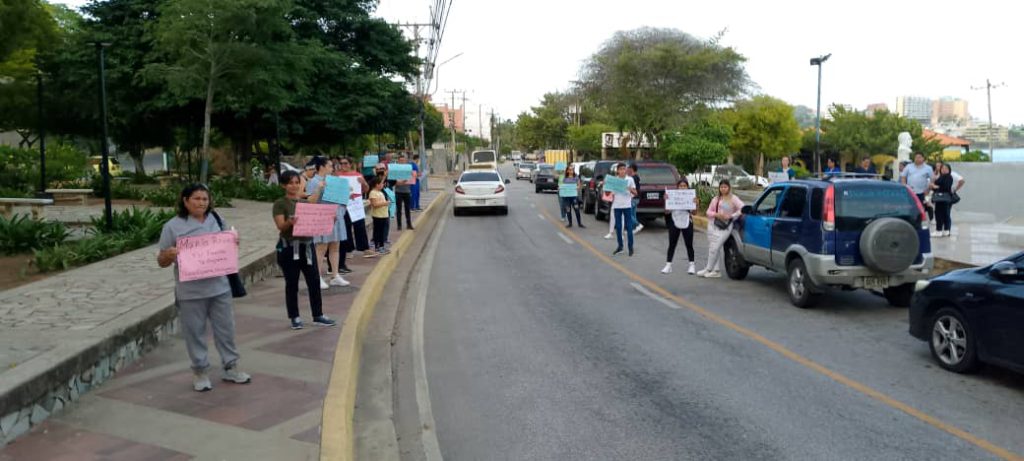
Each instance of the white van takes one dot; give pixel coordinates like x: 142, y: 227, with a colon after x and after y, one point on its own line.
x: 483, y: 157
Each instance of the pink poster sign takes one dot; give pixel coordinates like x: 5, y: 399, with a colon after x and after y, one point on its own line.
x: 313, y: 219
x: 207, y: 256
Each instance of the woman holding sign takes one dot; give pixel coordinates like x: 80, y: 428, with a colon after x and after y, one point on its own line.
x: 356, y: 227
x: 295, y: 255
x: 568, y: 193
x: 330, y: 244
x: 678, y: 220
x: 205, y: 299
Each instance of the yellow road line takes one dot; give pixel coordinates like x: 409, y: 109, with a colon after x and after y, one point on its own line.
x: 811, y: 364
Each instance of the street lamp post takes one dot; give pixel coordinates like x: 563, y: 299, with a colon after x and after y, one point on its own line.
x: 105, y: 159
x: 42, y: 137
x: 817, y: 118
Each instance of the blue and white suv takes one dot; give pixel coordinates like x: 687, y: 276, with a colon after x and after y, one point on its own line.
x: 846, y: 233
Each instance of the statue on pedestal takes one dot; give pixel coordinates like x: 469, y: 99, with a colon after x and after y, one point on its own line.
x: 902, y: 153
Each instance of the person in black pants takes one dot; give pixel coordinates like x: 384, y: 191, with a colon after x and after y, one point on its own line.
x: 403, y: 196
x: 379, y: 213
x: 680, y: 222
x: 942, y: 197
x: 296, y: 255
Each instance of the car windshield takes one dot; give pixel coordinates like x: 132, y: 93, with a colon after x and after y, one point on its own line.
x: 528, y: 166
x: 546, y: 169
x: 480, y: 177
x: 483, y: 156
x: 731, y: 171
x: 859, y: 204
x: 657, y: 175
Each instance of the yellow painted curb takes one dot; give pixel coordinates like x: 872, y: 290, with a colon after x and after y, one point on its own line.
x: 337, y: 436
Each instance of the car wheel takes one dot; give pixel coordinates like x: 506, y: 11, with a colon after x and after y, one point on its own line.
x: 588, y: 206
x: 456, y: 211
x: 736, y: 266
x: 953, y: 342
x: 503, y: 211
x: 798, y: 284
x: 899, y: 296
x: 536, y: 190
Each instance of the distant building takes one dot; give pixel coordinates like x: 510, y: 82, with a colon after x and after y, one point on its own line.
x: 980, y: 133
x: 947, y: 109
x: 450, y: 115
x: 880, y: 106
x: 915, y: 108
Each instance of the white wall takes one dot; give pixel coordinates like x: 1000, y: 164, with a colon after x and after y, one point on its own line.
x: 992, y: 188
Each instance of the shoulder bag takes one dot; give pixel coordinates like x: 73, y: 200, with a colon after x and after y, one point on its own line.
x: 720, y: 223
x: 235, y: 280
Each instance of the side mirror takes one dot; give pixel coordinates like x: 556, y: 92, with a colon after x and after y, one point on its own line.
x: 455, y: 181
x: 747, y: 209
x: 508, y: 181
x: 1003, y: 270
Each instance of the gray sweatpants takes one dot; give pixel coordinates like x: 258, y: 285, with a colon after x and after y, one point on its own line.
x: 192, y: 315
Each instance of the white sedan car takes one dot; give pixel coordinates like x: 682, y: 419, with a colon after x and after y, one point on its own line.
x: 481, y: 189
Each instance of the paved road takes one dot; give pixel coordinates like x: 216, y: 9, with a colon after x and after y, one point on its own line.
x: 538, y: 348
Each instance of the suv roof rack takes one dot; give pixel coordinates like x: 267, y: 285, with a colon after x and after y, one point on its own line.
x: 846, y: 175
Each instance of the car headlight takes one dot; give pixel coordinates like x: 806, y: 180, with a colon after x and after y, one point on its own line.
x: 921, y: 285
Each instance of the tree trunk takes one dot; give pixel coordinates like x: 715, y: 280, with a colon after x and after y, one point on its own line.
x: 760, y: 164
x: 208, y: 113
x: 137, y: 154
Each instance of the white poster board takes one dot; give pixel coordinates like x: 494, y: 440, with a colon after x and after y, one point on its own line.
x: 680, y: 199
x: 777, y: 176
x: 356, y: 210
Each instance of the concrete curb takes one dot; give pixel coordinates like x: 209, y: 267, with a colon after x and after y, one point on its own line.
x: 337, y: 434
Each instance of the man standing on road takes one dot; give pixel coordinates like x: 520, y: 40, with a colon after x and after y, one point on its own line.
x: 918, y: 176
x: 622, y: 207
x: 632, y: 172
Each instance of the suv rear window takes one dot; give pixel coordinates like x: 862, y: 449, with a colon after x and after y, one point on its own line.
x: 657, y: 175
x: 859, y: 204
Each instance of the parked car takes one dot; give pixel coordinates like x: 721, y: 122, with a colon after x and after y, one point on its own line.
x: 594, y: 172
x: 655, y: 177
x: 533, y: 173
x: 973, y: 315
x: 545, y: 178
x: 481, y: 189
x: 524, y: 170
x: 740, y: 179
x: 113, y: 166
x: 847, y: 233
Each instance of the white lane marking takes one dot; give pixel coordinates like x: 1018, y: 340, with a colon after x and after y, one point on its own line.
x: 431, y: 447
x: 567, y: 239
x: 540, y: 216
x: 533, y: 205
x: 650, y: 294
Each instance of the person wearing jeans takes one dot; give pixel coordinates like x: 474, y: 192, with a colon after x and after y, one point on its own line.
x: 416, y: 186
x: 571, y: 203
x: 725, y: 207
x: 297, y: 256
x: 680, y: 222
x: 622, y: 206
x: 403, y: 196
x: 632, y: 172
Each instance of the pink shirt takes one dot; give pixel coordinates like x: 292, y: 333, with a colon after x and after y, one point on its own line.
x: 726, y: 209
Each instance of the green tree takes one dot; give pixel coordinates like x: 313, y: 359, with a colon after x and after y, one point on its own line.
x: 433, y: 125
x: 586, y: 139
x: 650, y: 80
x: 699, y: 143
x: 975, y: 156
x: 850, y: 135
x: 212, y: 47
x: 763, y: 127
x: 25, y: 24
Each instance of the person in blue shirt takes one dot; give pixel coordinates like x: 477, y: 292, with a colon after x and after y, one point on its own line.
x: 416, y: 186
x: 786, y: 169
x: 866, y: 167
x: 831, y: 168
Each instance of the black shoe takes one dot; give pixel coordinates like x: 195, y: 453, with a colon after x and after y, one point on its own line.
x: 344, y: 270
x: 630, y: 252
x: 568, y: 225
x: 617, y: 251
x: 412, y: 228
x: 581, y: 226
x: 399, y: 227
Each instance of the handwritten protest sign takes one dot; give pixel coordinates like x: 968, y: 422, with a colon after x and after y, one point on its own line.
x: 337, y: 191
x: 777, y: 176
x: 356, y: 210
x: 370, y: 161
x: 354, y: 185
x: 400, y: 171
x: 680, y: 199
x: 616, y: 185
x: 567, y: 190
x: 207, y: 256
x: 314, y: 219
x: 560, y: 167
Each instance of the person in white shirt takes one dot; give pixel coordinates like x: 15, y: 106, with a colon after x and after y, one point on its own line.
x: 680, y: 222
x: 622, y: 207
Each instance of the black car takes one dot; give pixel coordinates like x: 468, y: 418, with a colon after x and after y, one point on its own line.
x: 973, y: 315
x: 545, y: 178
x: 595, y: 174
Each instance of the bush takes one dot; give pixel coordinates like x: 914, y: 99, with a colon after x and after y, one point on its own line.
x: 233, y: 187
x: 132, y: 229
x: 19, y: 168
x: 144, y: 221
x: 168, y: 197
x: 706, y: 194
x: 21, y: 233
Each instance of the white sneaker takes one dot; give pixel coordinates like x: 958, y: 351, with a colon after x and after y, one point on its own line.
x: 608, y: 236
x: 323, y: 284
x: 201, y: 382
x: 713, y: 275
x: 237, y: 377
x: 667, y: 269
x: 945, y: 233
x: 937, y: 234
x: 692, y: 270
x: 702, y: 273
x: 638, y: 229
x: 337, y: 281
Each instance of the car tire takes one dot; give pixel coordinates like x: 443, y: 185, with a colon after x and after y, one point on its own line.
x: 588, y: 206
x: 736, y: 266
x: 598, y: 215
x: 456, y: 211
x: 536, y: 190
x: 802, y: 292
x: 899, y: 296
x: 952, y: 341
x: 503, y: 211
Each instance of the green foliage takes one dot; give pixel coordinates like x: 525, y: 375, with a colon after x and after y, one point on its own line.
x: 19, y: 168
x: 851, y: 135
x: 233, y: 187
x: 145, y: 221
x: 650, y: 80
x: 165, y: 197
x: 763, y: 127
x: 705, y: 194
x: 132, y: 229
x: 586, y: 139
x: 24, y: 24
x: 21, y: 233
x: 974, y: 156
x: 700, y: 143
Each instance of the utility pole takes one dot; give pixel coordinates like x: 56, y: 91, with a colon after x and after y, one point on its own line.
x: 451, y: 121
x: 480, y: 121
x: 988, y: 90
x: 420, y: 96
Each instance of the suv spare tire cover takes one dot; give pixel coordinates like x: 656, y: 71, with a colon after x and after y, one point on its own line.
x: 889, y: 245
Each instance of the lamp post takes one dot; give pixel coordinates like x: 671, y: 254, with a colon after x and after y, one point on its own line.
x: 421, y: 90
x: 105, y: 159
x: 817, y: 118
x: 42, y: 137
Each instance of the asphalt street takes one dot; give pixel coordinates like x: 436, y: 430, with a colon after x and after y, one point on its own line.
x: 538, y: 348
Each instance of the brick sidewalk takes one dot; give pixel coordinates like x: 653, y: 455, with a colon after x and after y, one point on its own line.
x: 149, y: 411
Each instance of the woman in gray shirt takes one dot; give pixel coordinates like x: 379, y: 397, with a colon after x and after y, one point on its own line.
x: 203, y: 299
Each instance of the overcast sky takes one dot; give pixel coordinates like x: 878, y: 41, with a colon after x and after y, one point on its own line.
x: 515, y: 51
